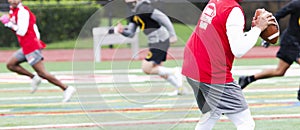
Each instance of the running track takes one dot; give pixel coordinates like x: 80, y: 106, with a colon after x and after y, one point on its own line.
x: 109, y: 54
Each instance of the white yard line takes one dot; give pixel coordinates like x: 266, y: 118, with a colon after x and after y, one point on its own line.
x: 240, y: 69
x: 124, y: 94
x: 130, y: 76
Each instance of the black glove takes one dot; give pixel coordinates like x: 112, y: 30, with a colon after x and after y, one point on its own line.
x: 265, y: 44
x: 298, y: 97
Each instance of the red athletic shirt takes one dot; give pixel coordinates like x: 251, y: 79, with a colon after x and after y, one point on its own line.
x: 30, y: 41
x: 207, y: 55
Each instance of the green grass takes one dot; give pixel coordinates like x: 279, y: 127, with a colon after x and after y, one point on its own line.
x: 69, y: 44
x: 259, y: 61
x: 104, y: 65
x: 38, y: 104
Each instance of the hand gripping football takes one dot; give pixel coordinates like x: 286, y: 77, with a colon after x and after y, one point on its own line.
x: 271, y: 33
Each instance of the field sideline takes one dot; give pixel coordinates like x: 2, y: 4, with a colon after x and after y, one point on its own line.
x: 142, y: 102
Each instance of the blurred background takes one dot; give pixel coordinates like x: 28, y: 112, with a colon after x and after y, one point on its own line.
x: 138, y: 103
x: 61, y: 21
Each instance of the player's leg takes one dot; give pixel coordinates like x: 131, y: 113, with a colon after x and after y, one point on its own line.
x: 153, y: 65
x: 286, y: 57
x: 234, y: 106
x: 174, y: 77
x: 242, y: 120
x: 208, y: 121
x: 35, y: 59
x: 201, y: 101
x: 208, y: 118
x: 41, y: 71
x: 267, y: 73
x: 156, y: 55
x: 278, y: 71
x: 149, y: 67
x: 13, y: 64
x: 169, y: 74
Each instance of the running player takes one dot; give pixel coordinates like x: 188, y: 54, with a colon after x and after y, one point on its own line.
x: 160, y: 32
x: 289, y: 51
x: 23, y: 22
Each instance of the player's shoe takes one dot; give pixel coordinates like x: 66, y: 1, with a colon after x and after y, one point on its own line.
x: 178, y: 76
x: 244, y: 81
x: 298, y: 97
x: 182, y: 90
x: 174, y: 93
x: 35, y: 83
x: 179, y: 91
x: 68, y: 93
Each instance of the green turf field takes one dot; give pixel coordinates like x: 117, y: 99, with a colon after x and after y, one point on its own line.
x: 118, y: 96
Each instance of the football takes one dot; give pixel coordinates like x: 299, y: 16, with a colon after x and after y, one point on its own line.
x: 271, y: 33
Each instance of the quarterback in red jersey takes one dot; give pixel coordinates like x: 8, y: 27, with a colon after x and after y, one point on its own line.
x: 209, y: 53
x: 23, y: 22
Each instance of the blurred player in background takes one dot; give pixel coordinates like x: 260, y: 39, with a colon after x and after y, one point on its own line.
x: 289, y: 51
x: 160, y: 32
x: 208, y: 56
x: 23, y: 22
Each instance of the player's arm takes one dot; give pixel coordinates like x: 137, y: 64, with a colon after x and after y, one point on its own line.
x: 240, y: 42
x: 21, y: 27
x: 287, y: 9
x: 23, y: 22
x: 163, y: 20
x: 128, y: 31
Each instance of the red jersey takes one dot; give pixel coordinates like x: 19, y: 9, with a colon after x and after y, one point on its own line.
x: 30, y: 41
x: 207, y: 55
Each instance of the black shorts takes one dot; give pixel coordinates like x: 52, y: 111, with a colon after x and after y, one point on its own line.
x: 158, y: 52
x: 289, y: 48
x: 289, y: 55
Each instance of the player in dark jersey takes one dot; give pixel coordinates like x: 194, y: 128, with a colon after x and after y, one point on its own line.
x: 160, y: 32
x: 289, y: 51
